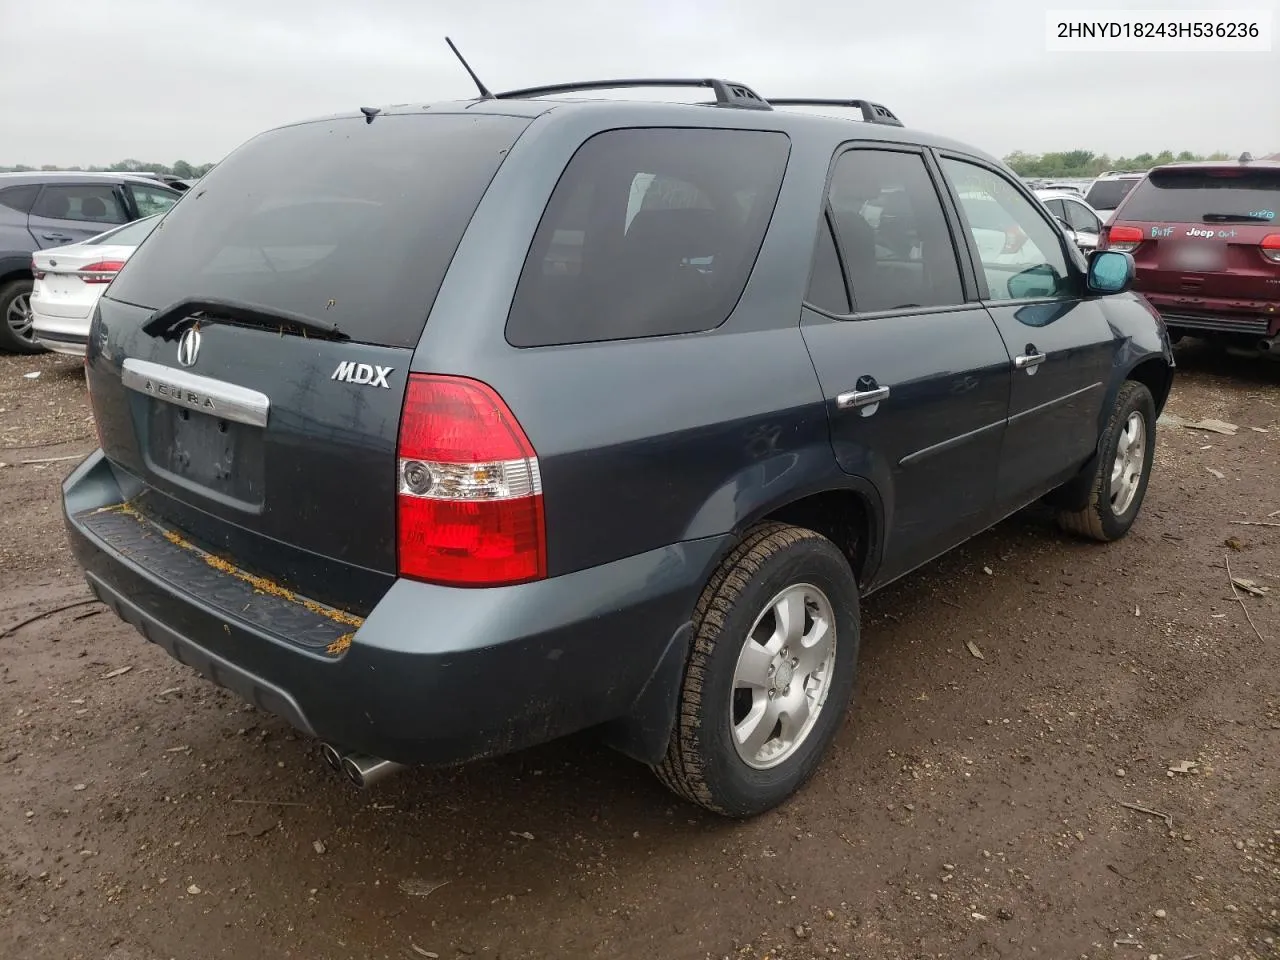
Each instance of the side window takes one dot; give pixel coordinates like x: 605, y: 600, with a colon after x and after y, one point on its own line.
x: 889, y: 222
x: 826, y: 283
x: 1081, y: 219
x: 150, y: 201
x: 1020, y: 251
x: 1056, y: 208
x: 650, y: 232
x: 20, y: 197
x: 89, y: 202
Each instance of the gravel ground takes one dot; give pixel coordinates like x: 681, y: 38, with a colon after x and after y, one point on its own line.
x: 1103, y: 782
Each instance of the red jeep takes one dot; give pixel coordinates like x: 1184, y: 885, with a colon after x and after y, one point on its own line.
x: 1206, y: 241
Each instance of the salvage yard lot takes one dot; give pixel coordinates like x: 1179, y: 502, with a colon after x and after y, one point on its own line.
x: 1018, y: 701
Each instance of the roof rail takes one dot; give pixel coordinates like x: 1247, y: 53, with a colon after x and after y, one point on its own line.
x: 871, y: 112
x: 728, y: 93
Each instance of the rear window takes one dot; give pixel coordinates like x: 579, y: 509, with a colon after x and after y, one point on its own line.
x: 345, y: 222
x: 649, y: 232
x: 130, y: 235
x: 1230, y: 195
x: 1107, y: 194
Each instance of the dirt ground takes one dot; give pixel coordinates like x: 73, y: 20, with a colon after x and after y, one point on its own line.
x: 970, y: 808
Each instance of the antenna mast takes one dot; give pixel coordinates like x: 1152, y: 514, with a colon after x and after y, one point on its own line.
x: 485, y: 94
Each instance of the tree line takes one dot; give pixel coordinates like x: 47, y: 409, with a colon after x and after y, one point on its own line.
x: 1085, y: 163
x: 179, y: 168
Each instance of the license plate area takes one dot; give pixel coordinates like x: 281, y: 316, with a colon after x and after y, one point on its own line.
x: 61, y: 287
x: 211, y: 454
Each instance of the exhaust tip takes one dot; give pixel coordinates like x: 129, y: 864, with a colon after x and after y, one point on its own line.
x: 332, y: 756
x: 365, y: 771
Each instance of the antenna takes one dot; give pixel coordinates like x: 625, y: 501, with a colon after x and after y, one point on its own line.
x: 484, y: 91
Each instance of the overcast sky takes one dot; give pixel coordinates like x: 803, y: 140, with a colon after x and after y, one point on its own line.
x: 162, y: 80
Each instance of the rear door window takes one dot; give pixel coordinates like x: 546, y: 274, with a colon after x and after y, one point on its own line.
x: 85, y: 202
x: 889, y: 221
x: 348, y: 223
x: 1079, y: 217
x: 649, y: 232
x: 1228, y: 195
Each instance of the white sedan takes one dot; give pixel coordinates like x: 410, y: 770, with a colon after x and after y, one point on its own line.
x: 69, y: 280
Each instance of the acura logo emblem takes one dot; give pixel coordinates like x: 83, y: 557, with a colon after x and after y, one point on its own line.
x: 189, y: 347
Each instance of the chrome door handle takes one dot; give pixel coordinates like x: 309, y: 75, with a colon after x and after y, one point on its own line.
x: 861, y: 398
x: 1028, y: 360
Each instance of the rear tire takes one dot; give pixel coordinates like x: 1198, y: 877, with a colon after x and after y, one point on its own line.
x: 760, y: 703
x: 1123, y: 468
x: 16, y: 333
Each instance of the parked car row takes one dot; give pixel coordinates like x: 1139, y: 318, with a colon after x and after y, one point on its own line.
x: 43, y: 211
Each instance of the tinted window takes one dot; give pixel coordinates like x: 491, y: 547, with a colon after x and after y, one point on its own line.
x: 88, y: 202
x: 151, y: 200
x: 1231, y: 195
x: 1080, y: 218
x: 19, y: 198
x: 346, y: 222
x: 826, y: 282
x: 1107, y: 194
x: 130, y: 235
x: 1055, y: 207
x: 1019, y: 249
x: 897, y: 248
x: 649, y: 232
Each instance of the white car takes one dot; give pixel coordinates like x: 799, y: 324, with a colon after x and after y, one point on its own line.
x: 1082, y: 222
x: 69, y: 280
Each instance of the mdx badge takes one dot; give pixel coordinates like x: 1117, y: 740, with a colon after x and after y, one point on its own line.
x: 369, y: 375
x: 189, y: 347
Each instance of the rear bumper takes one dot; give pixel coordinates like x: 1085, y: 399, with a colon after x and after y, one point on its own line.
x: 1247, y: 318
x: 434, y: 674
x: 67, y: 335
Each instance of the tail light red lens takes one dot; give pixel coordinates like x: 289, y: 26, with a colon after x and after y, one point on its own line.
x: 1271, y: 246
x: 469, y: 489
x: 1014, y: 238
x: 35, y: 270
x: 1123, y: 239
x: 104, y: 271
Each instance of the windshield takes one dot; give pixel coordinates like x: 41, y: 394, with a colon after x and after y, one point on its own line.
x: 1237, y: 194
x: 1107, y: 194
x: 346, y: 223
x: 130, y: 235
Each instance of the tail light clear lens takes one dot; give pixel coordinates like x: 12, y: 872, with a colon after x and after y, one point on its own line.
x: 1122, y: 239
x: 104, y: 271
x: 1271, y: 246
x: 469, y: 489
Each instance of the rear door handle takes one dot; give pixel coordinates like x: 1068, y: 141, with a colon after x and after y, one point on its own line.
x: 55, y: 236
x: 862, y: 398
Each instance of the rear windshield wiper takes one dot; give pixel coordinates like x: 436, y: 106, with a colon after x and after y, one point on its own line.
x: 1235, y: 218
x: 169, y: 322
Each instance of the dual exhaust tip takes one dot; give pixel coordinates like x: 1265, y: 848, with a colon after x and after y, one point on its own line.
x: 359, y: 768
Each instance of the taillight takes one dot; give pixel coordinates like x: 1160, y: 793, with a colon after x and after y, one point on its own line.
x: 469, y: 491
x: 35, y: 270
x: 1123, y: 239
x: 104, y: 271
x: 1271, y: 246
x: 1014, y: 238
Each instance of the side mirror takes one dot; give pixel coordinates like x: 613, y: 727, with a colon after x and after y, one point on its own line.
x: 1110, y: 271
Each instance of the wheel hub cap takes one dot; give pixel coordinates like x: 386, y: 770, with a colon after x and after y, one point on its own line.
x: 1126, y: 470
x: 783, y: 676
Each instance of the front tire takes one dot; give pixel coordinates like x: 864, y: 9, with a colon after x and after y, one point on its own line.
x: 1119, y: 483
x: 770, y: 673
x: 16, y: 332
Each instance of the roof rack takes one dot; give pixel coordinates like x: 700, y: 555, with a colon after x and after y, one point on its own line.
x: 871, y: 112
x: 728, y: 93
